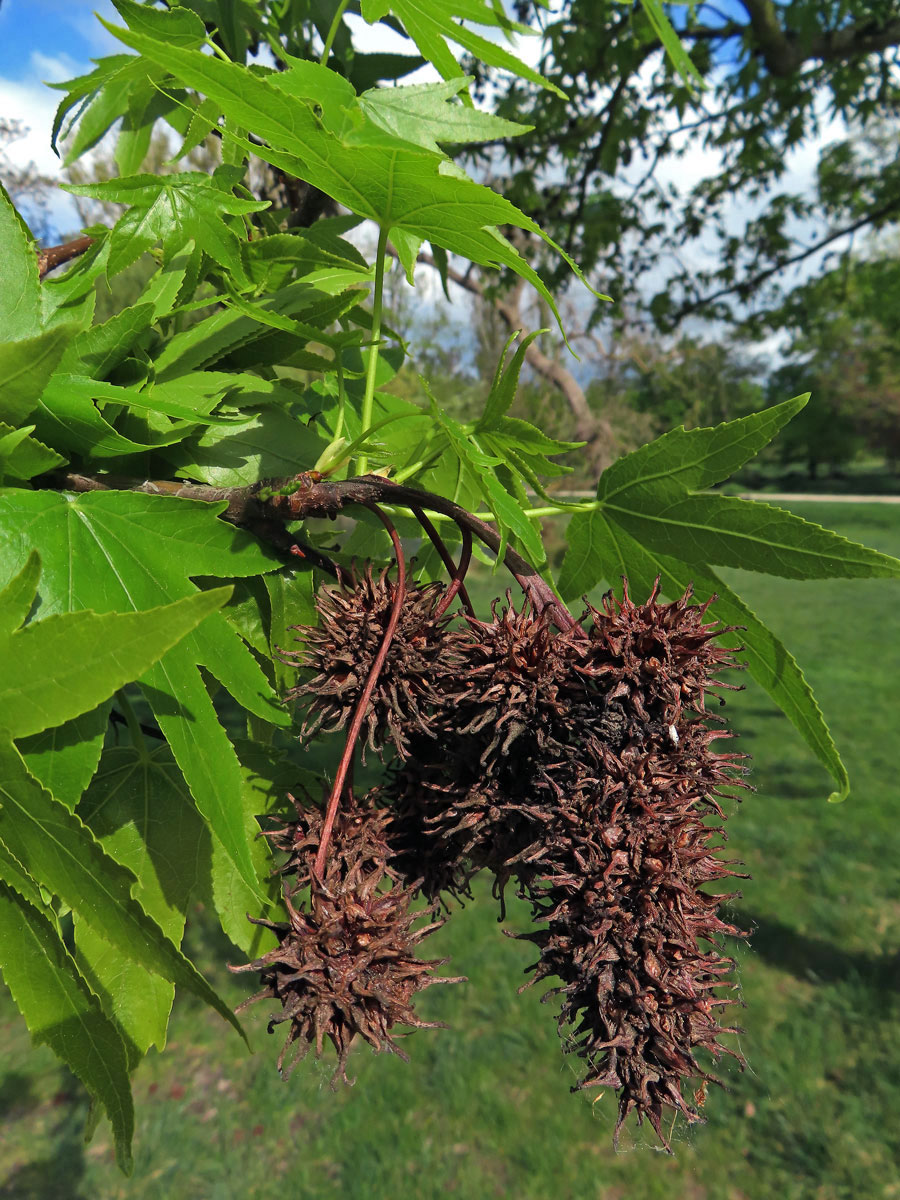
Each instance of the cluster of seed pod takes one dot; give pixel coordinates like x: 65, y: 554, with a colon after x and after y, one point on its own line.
x: 575, y: 763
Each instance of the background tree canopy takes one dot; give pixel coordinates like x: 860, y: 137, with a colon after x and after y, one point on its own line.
x: 598, y: 170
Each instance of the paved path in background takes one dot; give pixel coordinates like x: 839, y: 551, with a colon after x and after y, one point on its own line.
x: 824, y: 498
x: 780, y: 496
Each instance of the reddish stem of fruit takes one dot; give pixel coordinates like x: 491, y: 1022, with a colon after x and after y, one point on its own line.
x: 344, y: 765
x: 438, y: 542
x: 458, y: 573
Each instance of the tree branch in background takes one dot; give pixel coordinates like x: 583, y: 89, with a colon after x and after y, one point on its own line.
x: 747, y: 285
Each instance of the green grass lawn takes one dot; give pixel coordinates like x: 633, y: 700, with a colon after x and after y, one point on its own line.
x: 483, y: 1109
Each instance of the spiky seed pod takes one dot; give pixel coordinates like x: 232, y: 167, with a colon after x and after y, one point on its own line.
x: 508, y: 683
x: 626, y: 927
x: 655, y: 659
x: 340, y: 652
x: 464, y: 801
x: 345, y: 965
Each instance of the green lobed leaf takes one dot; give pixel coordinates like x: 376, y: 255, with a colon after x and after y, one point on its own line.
x: 23, y: 456
x: 503, y: 391
x: 271, y: 445
x: 19, y: 594
x: 61, y: 1012
x: 225, y: 332
x: 424, y: 114
x: 171, y: 209
x: 727, y: 531
x: 20, y: 295
x: 67, y: 419
x: 697, y: 458
x: 142, y: 814
x: 65, y: 758
x: 63, y: 854
x: 25, y: 368
x: 99, y: 99
x: 504, y: 506
x: 649, y: 494
x: 127, y: 551
x: 64, y: 665
x: 98, y: 350
x: 430, y: 24
x: 392, y: 184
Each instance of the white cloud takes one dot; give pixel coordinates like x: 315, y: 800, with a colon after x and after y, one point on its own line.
x: 33, y: 104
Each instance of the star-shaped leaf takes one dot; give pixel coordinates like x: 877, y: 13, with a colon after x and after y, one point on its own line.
x: 125, y: 552
x: 171, y: 209
x: 312, y: 126
x: 652, y: 518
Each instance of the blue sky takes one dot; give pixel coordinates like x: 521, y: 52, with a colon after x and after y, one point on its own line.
x: 40, y: 41
x: 63, y: 30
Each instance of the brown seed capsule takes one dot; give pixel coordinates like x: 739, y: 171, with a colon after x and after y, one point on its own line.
x: 340, y: 652
x: 345, y: 965
x: 625, y: 924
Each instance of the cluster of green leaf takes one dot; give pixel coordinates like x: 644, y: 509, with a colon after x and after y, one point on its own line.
x: 254, y: 353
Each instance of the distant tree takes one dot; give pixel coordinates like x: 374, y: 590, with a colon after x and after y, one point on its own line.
x: 845, y: 346
x: 690, y: 383
x: 597, y: 171
x: 26, y: 186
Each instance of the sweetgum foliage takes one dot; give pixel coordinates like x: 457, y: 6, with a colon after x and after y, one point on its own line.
x: 340, y: 652
x: 345, y: 965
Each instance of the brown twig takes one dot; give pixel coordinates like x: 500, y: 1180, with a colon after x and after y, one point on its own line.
x: 309, y: 495
x: 362, y: 704
x: 312, y: 496
x: 54, y: 256
x: 458, y: 575
x: 438, y: 542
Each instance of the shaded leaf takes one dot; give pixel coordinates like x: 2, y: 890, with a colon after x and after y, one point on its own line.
x: 142, y: 814
x: 61, y: 851
x: 20, y: 295
x: 61, y: 1012
x: 126, y: 551
x: 65, y: 758
x: 23, y: 456
x: 25, y: 368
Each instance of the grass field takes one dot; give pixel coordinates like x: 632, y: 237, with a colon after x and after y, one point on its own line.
x: 484, y: 1109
